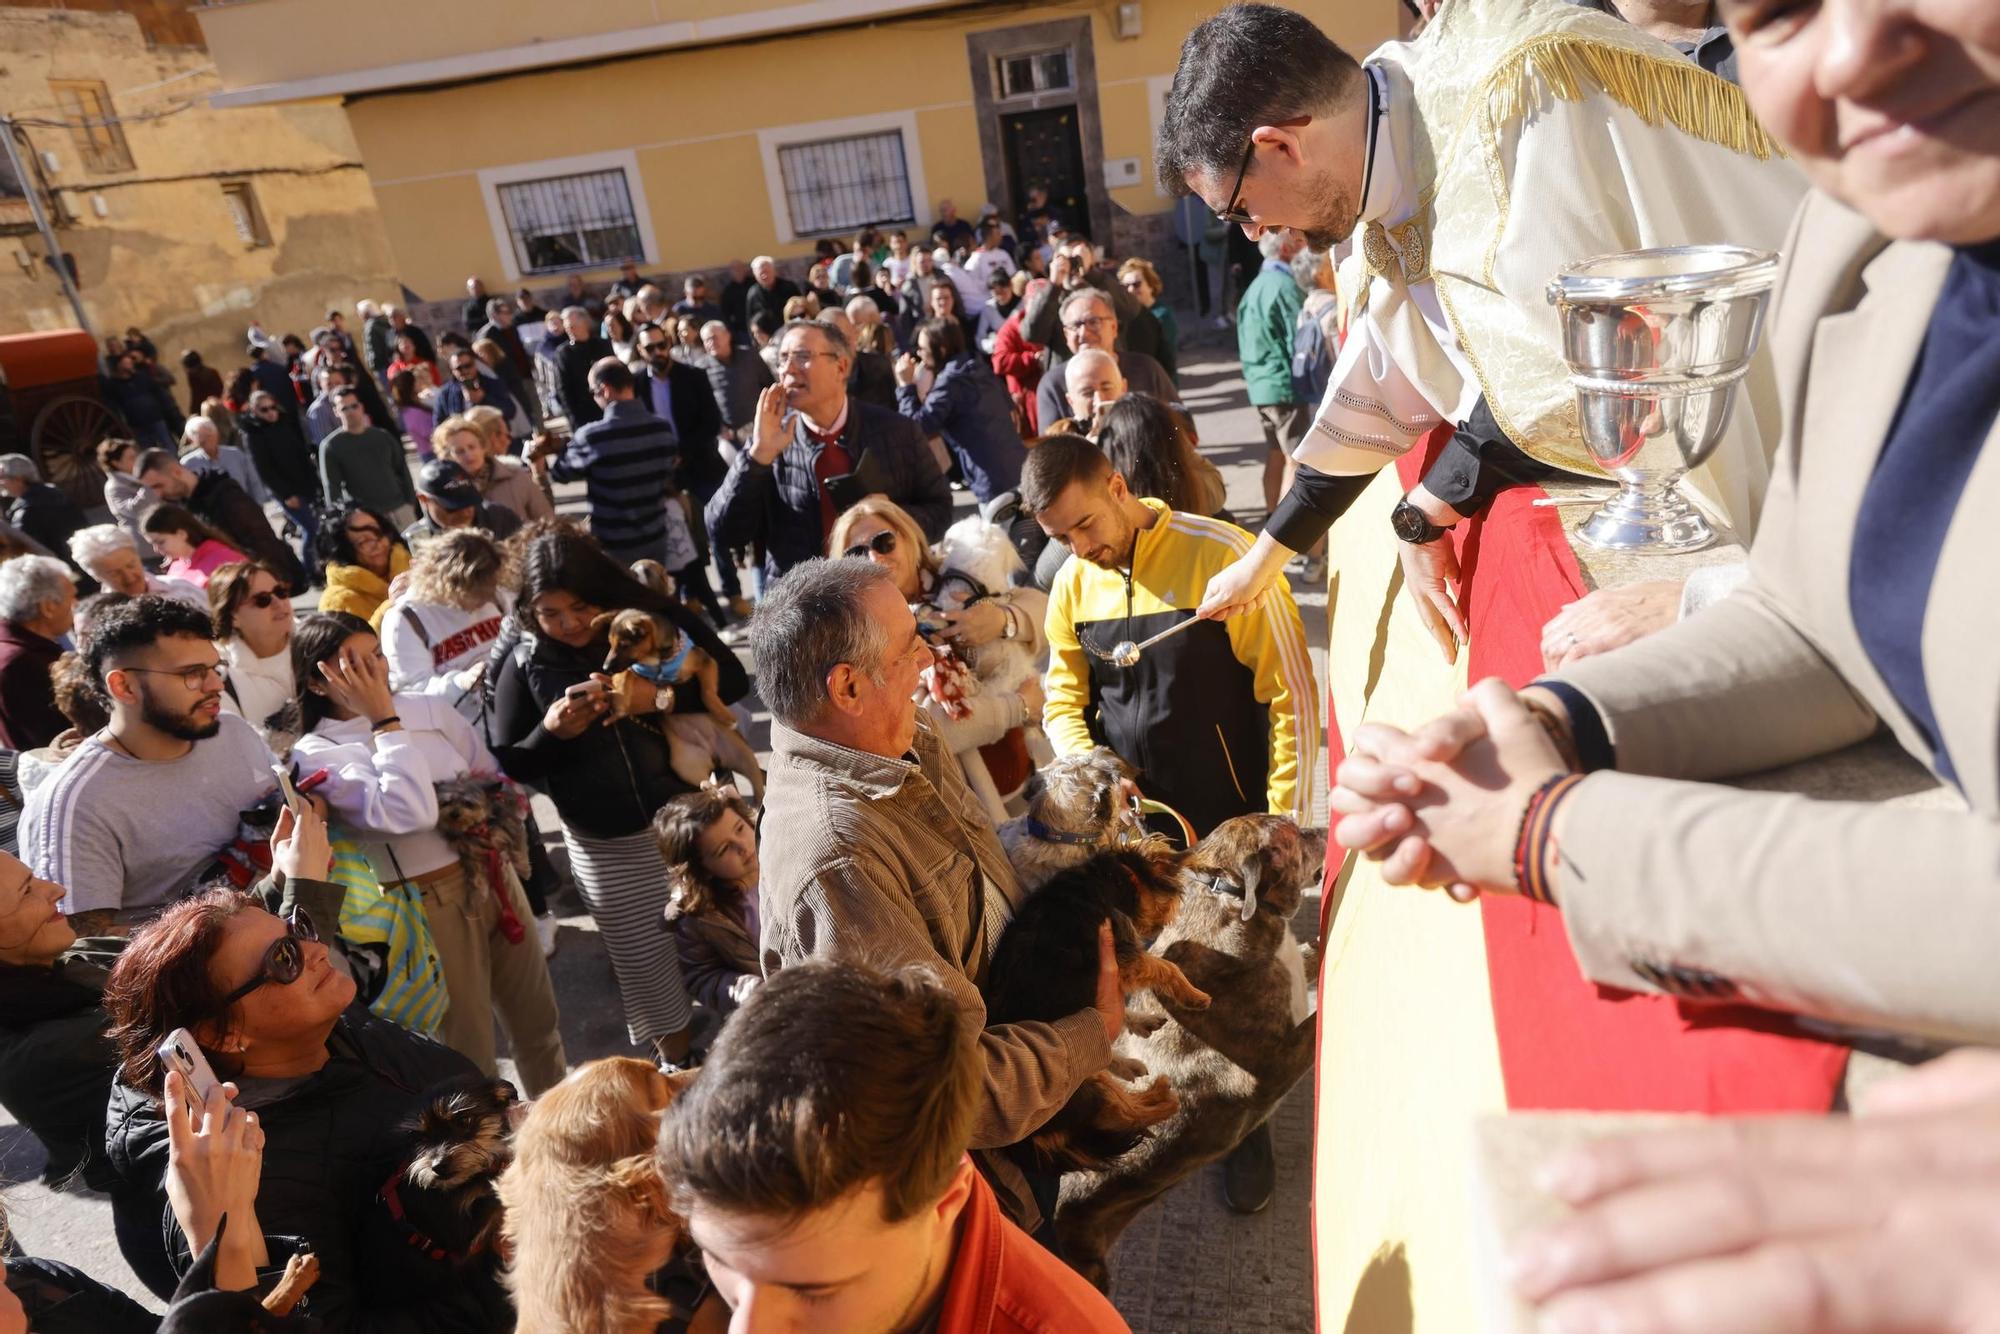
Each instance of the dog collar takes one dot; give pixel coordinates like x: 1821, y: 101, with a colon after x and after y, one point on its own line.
x: 416, y: 1239
x: 663, y: 673
x: 1038, y: 830
x: 1224, y: 888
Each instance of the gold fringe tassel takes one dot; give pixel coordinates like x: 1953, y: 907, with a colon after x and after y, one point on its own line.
x: 1657, y: 89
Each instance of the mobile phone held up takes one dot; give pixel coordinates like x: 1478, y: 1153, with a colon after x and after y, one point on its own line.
x: 179, y: 1052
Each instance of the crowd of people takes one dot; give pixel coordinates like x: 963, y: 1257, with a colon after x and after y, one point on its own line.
x: 928, y: 485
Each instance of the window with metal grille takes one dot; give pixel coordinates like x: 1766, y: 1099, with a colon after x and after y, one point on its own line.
x: 93, y: 123
x: 572, y: 222
x: 243, y: 211
x: 1026, y: 73
x: 840, y: 185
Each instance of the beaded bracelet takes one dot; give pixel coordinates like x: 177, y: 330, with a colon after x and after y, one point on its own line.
x: 1532, y: 841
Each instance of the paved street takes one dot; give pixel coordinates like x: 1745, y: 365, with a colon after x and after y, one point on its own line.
x: 1187, y: 1265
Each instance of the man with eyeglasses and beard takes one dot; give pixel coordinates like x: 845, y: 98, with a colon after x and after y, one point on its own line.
x: 139, y: 810
x: 1592, y: 138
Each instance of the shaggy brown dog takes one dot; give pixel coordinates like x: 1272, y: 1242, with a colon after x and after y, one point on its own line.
x: 1228, y: 1064
x: 1076, y: 809
x: 1045, y: 968
x: 437, y: 1214
x: 587, y: 1215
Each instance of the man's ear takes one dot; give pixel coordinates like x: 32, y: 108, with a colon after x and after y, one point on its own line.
x: 118, y: 684
x: 840, y: 688
x: 956, y: 1195
x: 1115, y: 486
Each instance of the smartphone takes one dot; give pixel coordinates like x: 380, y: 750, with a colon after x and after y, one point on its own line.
x: 179, y: 1052
x: 285, y: 785
x: 845, y: 490
x: 583, y: 688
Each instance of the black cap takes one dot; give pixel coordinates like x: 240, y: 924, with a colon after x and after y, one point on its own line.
x: 447, y: 484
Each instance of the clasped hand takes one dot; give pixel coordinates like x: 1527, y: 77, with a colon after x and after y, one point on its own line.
x: 1442, y: 805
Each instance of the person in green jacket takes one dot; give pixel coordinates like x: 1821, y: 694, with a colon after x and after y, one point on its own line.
x: 1266, y: 318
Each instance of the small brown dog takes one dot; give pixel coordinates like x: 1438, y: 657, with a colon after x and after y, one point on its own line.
x: 1045, y: 968
x: 438, y: 1214
x: 645, y: 647
x: 486, y: 823
x: 1076, y: 809
x: 1227, y: 1064
x: 587, y: 1213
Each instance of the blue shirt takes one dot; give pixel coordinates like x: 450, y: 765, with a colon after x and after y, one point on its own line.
x: 1947, y: 412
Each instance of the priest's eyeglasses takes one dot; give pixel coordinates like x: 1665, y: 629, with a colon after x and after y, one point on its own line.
x: 1234, y: 212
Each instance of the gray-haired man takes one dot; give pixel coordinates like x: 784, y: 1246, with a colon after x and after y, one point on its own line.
x: 876, y: 851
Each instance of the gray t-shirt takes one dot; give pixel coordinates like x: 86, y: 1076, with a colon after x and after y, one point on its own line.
x: 123, y: 833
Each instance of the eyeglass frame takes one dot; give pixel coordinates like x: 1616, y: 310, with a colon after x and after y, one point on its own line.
x: 220, y: 668
x: 262, y: 601
x: 298, y: 929
x: 1230, y: 213
x: 882, y: 544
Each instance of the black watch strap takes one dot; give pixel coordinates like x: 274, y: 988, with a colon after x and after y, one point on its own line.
x: 1413, y: 525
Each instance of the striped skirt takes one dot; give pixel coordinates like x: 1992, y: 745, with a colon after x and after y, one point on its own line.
x: 624, y: 883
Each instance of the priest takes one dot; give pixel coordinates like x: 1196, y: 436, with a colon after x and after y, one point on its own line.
x: 1512, y: 138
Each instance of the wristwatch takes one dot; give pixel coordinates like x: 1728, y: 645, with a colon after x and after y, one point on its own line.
x: 1413, y: 525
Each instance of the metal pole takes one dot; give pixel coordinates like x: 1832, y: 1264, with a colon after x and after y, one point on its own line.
x: 30, y: 186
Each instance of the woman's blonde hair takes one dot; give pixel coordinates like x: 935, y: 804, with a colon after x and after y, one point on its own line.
x: 451, y: 426
x: 490, y: 422
x: 461, y: 568
x: 882, y: 508
x: 1144, y: 268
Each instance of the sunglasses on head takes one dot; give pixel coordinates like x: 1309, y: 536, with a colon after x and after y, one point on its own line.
x: 285, y: 960
x: 882, y: 544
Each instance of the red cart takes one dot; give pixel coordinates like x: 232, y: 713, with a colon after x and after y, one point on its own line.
x: 51, y: 410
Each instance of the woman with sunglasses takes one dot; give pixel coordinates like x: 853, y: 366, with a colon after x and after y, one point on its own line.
x: 993, y: 730
x: 386, y: 753
x: 329, y: 1083
x: 252, y: 611
x: 56, y: 1059
x: 364, y: 554
x: 551, y: 725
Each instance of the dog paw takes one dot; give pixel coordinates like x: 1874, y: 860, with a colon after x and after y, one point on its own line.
x: 1194, y: 999
x: 1127, y: 1068
x: 1143, y: 1025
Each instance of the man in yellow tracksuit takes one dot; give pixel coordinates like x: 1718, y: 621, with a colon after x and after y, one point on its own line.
x: 1221, y: 719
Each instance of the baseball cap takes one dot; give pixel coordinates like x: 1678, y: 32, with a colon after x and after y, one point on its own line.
x: 447, y: 484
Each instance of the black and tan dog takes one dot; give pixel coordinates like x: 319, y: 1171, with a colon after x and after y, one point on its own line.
x: 1228, y: 1063
x: 1045, y: 968
x: 652, y: 649
x: 440, y: 1211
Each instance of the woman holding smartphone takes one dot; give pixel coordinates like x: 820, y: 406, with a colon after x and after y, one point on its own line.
x: 550, y: 725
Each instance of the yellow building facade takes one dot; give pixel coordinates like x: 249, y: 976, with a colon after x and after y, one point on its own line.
x: 520, y: 141
x: 181, y: 219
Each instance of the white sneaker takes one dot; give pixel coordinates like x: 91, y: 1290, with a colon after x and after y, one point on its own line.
x: 545, y: 927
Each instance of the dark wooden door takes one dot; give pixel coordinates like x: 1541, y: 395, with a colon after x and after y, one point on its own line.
x: 1045, y: 148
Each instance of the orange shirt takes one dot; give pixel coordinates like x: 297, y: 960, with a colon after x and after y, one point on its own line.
x: 1003, y: 1282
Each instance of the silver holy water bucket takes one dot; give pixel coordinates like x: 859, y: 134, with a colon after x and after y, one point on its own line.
x: 1656, y: 341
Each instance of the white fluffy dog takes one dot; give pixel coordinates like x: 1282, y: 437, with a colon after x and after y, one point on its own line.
x: 976, y: 558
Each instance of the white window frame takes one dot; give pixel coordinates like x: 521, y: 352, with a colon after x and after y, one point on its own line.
x: 492, y: 178
x: 770, y: 140
x: 1033, y: 96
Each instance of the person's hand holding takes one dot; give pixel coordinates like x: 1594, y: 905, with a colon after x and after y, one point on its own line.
x: 1882, y: 1221
x: 359, y: 683
x: 1032, y: 699
x: 471, y: 676
x: 768, y: 436
x: 969, y: 627
x: 1241, y: 585
x: 569, y: 715
x: 1608, y: 618
x: 299, y: 844
x: 1442, y: 807
x: 1059, y: 269
x: 543, y: 446
x: 215, y: 1159
x: 1110, y: 1002
x: 642, y: 696
x: 1430, y: 575
x: 907, y: 367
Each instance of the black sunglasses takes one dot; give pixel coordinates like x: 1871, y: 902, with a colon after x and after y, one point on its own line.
x: 881, y: 544
x: 1230, y: 213
x: 284, y: 961
x: 263, y: 600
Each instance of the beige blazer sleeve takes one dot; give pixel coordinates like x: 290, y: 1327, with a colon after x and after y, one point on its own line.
x: 1864, y: 913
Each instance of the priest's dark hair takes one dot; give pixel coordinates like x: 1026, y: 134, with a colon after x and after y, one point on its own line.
x: 1247, y: 66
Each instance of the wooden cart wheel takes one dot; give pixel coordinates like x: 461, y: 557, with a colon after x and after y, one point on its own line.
x: 63, y: 441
